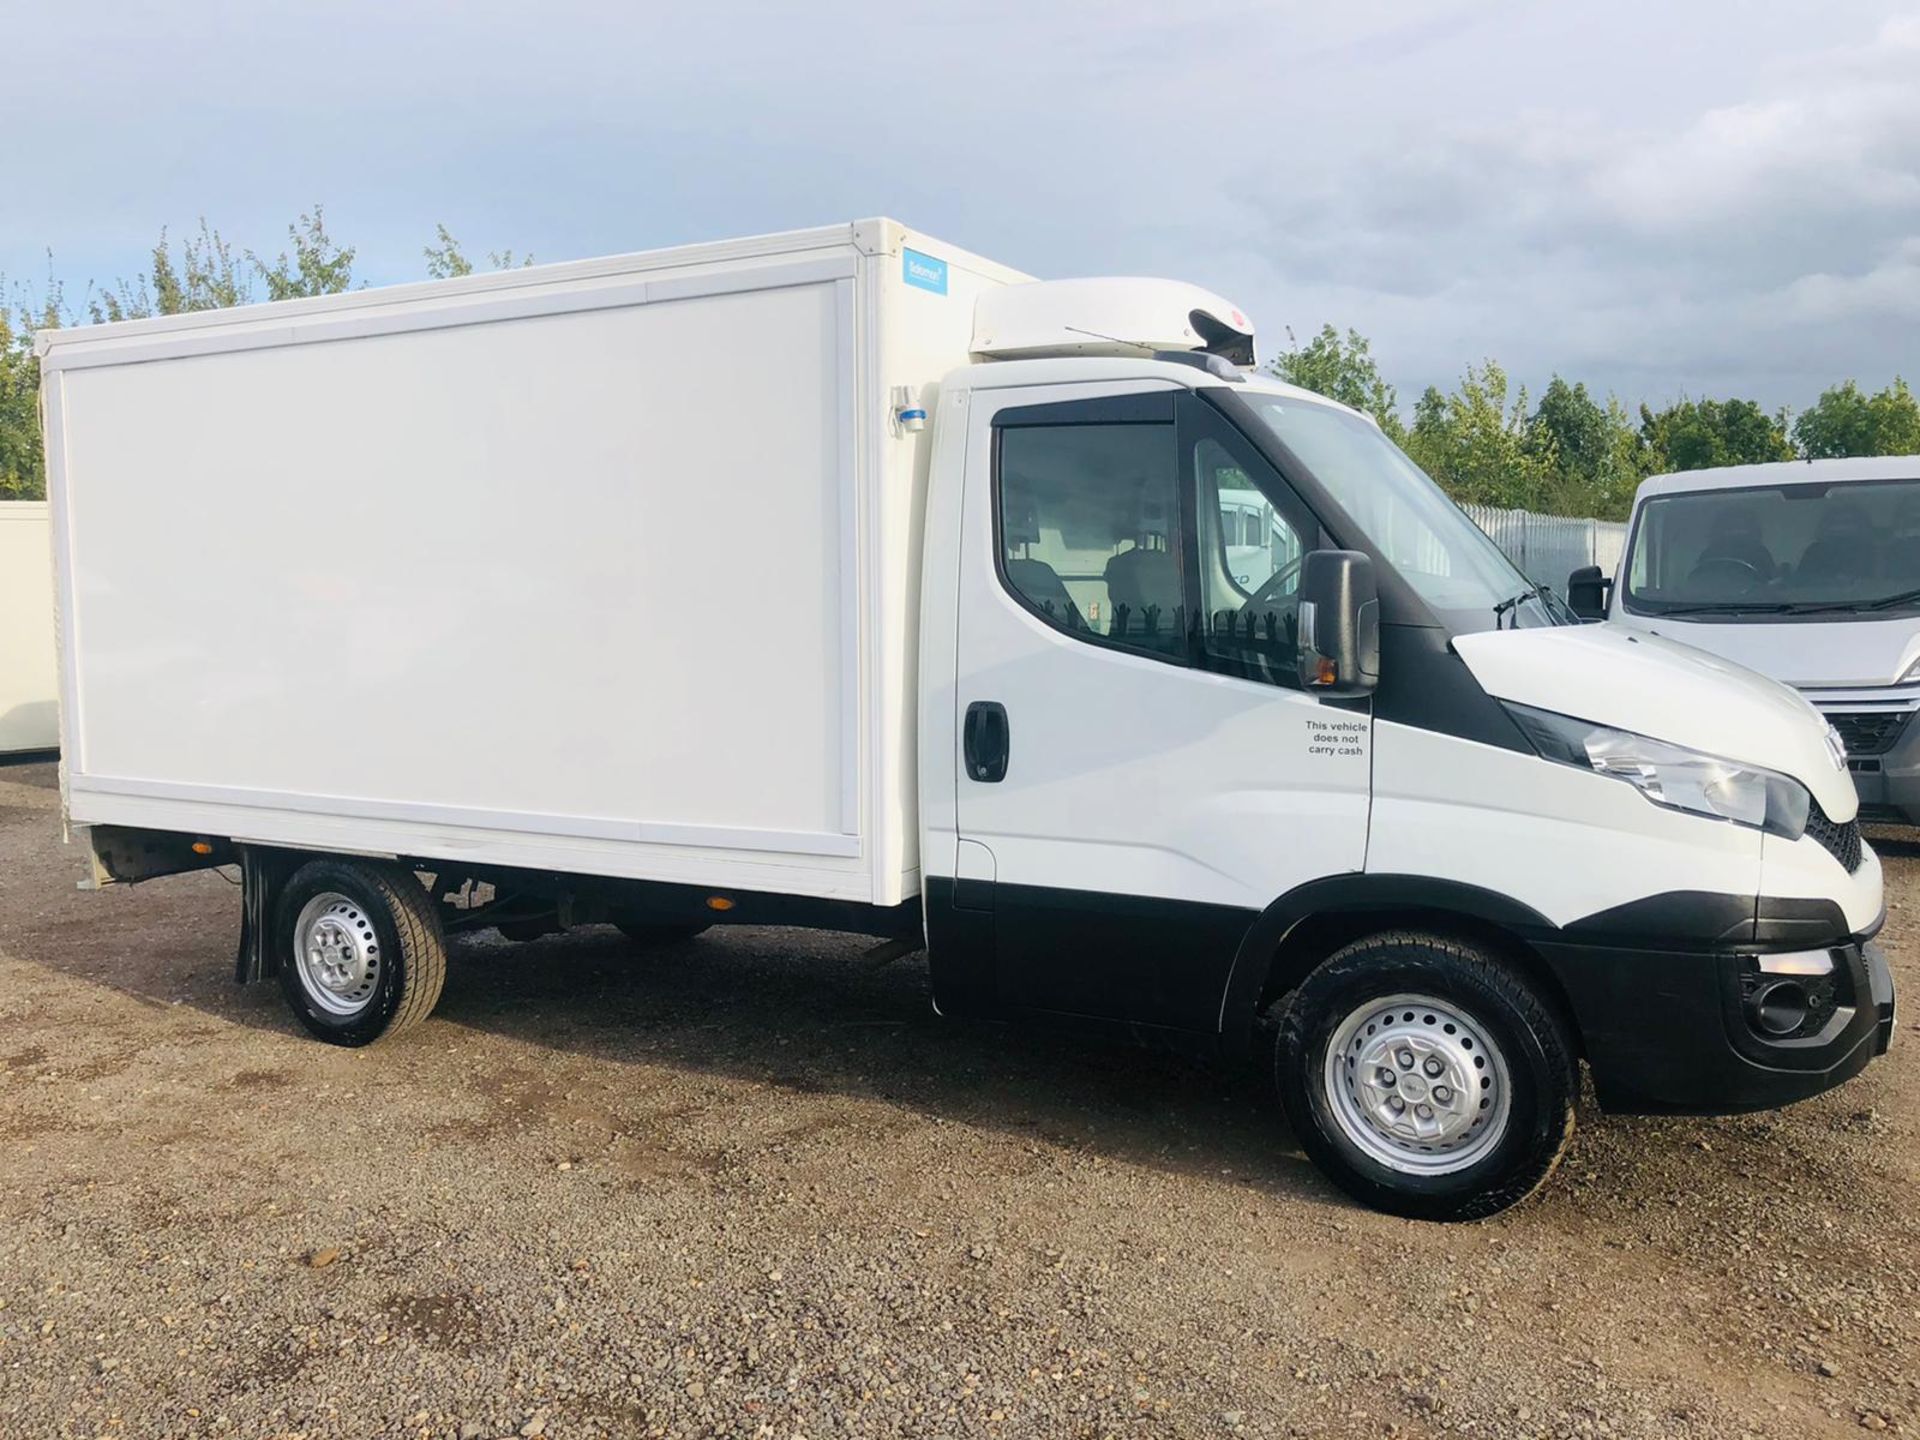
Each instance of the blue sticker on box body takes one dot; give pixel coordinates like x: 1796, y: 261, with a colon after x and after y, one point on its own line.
x: 924, y: 271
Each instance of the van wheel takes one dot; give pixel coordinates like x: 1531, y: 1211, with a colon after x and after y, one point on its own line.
x: 652, y: 937
x: 360, y: 951
x: 1426, y: 1078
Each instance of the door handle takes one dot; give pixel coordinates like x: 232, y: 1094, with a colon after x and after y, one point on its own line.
x: 986, y: 741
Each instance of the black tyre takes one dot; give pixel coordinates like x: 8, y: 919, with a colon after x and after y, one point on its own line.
x: 1426, y: 1078
x: 653, y: 936
x: 359, y: 950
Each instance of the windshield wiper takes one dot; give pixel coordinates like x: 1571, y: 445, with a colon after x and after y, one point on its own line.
x: 1887, y: 602
x: 1501, y: 610
x: 1764, y: 608
x: 1832, y: 607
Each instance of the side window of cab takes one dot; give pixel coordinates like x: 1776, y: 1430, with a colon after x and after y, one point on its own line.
x: 1090, y: 529
x: 1250, y: 537
x: 1150, y: 524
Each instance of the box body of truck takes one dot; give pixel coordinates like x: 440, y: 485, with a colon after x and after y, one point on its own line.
x: 605, y: 568
x: 29, y: 709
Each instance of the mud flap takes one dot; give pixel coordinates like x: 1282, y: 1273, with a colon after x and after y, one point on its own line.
x: 262, y: 874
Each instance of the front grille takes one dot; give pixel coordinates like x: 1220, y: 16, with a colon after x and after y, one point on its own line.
x: 1869, y: 732
x: 1840, y: 841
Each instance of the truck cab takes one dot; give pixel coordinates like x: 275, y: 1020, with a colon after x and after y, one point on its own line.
x: 1379, y: 792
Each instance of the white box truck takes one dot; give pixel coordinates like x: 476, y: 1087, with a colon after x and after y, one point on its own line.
x: 29, y: 711
x: 842, y: 578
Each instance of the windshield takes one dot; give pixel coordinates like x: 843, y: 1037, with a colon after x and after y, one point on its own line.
x: 1784, y: 550
x: 1447, y: 559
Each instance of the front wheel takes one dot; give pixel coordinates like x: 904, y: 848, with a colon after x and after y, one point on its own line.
x: 1426, y: 1078
x: 360, y: 952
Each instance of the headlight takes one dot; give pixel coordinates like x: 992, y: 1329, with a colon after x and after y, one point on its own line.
x: 1670, y: 775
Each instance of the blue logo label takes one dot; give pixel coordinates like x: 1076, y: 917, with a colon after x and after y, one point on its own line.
x: 924, y: 271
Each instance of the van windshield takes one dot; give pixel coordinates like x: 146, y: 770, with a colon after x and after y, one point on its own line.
x: 1785, y: 550
x: 1447, y: 559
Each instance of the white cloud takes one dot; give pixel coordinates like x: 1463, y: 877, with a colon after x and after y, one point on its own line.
x: 1738, y: 244
x: 1648, y: 196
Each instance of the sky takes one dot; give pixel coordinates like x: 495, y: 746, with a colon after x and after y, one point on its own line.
x: 1710, y: 197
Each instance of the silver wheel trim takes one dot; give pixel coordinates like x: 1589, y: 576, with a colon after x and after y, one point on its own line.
x: 1417, y: 1085
x: 337, y: 954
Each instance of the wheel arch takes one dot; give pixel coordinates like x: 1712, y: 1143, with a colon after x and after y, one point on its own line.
x: 1308, y: 924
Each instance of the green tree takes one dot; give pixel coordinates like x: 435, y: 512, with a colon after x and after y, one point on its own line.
x: 23, y: 471
x: 1706, y: 434
x: 1847, y: 421
x: 447, y: 261
x: 1342, y: 368
x: 318, y: 266
x: 206, y: 278
x: 1479, y: 443
x: 1593, y: 449
x: 22, y: 476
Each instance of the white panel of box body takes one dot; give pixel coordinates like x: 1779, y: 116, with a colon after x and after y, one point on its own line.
x: 584, y: 568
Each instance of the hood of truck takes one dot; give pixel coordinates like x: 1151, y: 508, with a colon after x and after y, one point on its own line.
x: 1837, y: 654
x: 1657, y: 687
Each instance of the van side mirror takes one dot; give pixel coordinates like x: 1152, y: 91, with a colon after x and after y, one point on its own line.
x: 1587, y: 592
x: 1339, y: 624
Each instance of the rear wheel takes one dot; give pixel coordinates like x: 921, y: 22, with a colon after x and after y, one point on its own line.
x: 360, y: 953
x: 1427, y: 1078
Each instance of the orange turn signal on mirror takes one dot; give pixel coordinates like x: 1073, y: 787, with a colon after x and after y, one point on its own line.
x: 1329, y: 673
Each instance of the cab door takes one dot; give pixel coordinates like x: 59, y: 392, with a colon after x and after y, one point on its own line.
x: 1140, y: 774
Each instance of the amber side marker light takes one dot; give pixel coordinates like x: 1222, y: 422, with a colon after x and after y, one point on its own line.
x: 201, y: 847
x: 719, y: 902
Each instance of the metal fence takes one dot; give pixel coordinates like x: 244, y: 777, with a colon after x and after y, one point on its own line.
x: 1547, y: 548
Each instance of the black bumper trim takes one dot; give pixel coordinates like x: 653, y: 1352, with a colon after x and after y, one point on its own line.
x: 1665, y: 1032
x: 1880, y: 987
x: 1705, y: 920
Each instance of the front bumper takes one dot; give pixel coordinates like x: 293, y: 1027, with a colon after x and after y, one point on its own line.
x: 1668, y: 1032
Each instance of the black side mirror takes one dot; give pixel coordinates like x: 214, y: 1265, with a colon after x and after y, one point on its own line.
x: 1587, y: 592
x: 1339, y: 624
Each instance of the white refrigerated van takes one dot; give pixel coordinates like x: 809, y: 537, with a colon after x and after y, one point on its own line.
x: 984, y: 680
x: 29, y: 713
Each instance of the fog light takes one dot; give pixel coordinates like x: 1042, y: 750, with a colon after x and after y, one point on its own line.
x: 1799, y: 962
x: 1779, y: 1008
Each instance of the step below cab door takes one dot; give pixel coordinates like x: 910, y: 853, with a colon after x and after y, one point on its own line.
x: 1138, y: 773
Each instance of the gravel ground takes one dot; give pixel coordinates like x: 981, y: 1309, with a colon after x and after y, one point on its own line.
x: 751, y: 1186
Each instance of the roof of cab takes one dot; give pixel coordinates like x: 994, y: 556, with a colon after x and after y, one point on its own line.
x: 1072, y: 369
x: 1786, y: 472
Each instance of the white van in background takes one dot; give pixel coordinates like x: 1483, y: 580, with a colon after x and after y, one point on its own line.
x: 1265, y: 544
x: 29, y: 710
x: 1808, y: 571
